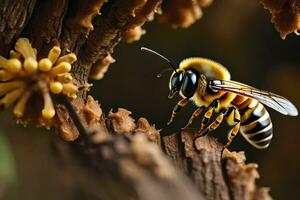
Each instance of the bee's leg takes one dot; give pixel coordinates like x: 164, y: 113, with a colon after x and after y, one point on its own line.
x: 215, y: 124
x: 196, y: 113
x: 207, y: 115
x: 233, y: 119
x: 182, y: 103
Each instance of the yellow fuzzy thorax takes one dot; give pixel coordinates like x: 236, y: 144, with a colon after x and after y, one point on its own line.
x: 210, y: 68
x: 22, y: 76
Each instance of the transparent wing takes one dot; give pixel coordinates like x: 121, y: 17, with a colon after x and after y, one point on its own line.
x: 272, y: 100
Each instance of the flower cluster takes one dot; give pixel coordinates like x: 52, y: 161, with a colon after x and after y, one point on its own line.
x: 24, y: 79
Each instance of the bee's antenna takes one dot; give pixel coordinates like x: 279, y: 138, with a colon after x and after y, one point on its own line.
x: 163, y: 57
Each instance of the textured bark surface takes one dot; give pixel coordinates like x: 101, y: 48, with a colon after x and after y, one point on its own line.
x: 14, y: 15
x: 218, y: 174
x: 137, y: 169
x: 127, y: 154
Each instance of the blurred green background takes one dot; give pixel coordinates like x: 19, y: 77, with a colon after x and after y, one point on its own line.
x: 237, y: 34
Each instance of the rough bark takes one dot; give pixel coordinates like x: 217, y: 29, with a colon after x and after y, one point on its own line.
x: 14, y: 15
x: 115, y: 147
x: 137, y: 169
x: 218, y: 174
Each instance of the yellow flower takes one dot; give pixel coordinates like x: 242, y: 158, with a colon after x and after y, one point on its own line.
x: 23, y: 77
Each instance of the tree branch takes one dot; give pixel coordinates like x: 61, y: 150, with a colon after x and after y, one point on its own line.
x: 127, y: 153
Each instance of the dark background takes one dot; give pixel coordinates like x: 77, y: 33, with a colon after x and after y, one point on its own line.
x: 237, y: 34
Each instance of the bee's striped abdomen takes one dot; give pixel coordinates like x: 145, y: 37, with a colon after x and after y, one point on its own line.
x: 256, y: 125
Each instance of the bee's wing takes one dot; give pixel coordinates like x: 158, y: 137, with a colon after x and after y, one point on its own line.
x: 272, y: 100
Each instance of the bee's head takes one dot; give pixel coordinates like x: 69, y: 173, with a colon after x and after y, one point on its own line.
x: 185, y: 82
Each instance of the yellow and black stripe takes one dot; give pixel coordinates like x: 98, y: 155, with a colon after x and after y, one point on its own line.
x: 243, y: 113
x: 256, y: 125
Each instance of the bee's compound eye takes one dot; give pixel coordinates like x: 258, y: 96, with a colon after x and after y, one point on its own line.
x: 190, y: 84
x: 176, y: 81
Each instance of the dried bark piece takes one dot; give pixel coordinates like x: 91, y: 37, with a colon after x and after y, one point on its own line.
x: 121, y: 121
x: 143, y: 14
x: 66, y: 129
x: 86, y: 11
x: 146, y: 13
x: 285, y: 15
x: 133, y: 34
x: 92, y: 110
x: 100, y: 67
x: 143, y: 127
x: 219, y: 177
x: 181, y: 13
x: 242, y: 177
x: 93, y: 116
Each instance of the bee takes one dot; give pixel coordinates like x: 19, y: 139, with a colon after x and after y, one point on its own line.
x: 207, y: 84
